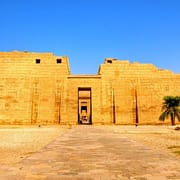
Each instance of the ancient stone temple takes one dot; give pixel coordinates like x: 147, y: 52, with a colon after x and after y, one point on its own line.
x: 38, y: 88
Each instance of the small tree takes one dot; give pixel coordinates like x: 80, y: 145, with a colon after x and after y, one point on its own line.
x: 170, y: 108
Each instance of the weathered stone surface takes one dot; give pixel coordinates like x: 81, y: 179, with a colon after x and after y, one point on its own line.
x: 38, y: 88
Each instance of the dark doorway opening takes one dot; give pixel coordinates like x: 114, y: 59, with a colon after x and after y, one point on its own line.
x: 84, y: 106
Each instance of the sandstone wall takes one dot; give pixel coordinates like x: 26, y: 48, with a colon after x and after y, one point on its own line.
x: 141, y: 85
x: 30, y: 87
x: 38, y: 88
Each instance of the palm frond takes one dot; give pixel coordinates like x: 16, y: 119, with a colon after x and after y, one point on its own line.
x: 163, y: 116
x: 178, y: 117
x: 170, y: 108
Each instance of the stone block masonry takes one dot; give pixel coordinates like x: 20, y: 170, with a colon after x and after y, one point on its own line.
x: 38, y: 88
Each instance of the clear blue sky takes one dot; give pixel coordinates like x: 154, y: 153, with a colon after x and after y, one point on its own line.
x: 87, y: 31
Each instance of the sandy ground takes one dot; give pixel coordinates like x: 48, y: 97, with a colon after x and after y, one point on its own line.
x: 163, y: 138
x: 18, y: 142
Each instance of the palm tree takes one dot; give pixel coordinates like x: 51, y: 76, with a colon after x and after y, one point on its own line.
x: 170, y: 108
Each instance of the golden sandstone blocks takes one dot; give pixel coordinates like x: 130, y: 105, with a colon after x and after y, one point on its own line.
x: 38, y: 88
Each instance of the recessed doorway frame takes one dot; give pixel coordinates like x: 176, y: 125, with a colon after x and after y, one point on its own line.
x: 78, y: 101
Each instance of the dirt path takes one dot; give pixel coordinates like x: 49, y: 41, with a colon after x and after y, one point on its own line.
x: 95, y: 153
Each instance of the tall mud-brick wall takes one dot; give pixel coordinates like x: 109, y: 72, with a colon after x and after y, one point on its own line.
x: 133, y: 92
x: 31, y: 87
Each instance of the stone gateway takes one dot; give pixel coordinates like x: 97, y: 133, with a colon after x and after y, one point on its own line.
x: 38, y: 88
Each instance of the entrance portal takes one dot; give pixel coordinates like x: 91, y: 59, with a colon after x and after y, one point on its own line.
x: 84, y: 106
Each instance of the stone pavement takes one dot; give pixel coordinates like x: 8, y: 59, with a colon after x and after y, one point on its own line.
x: 94, y: 153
